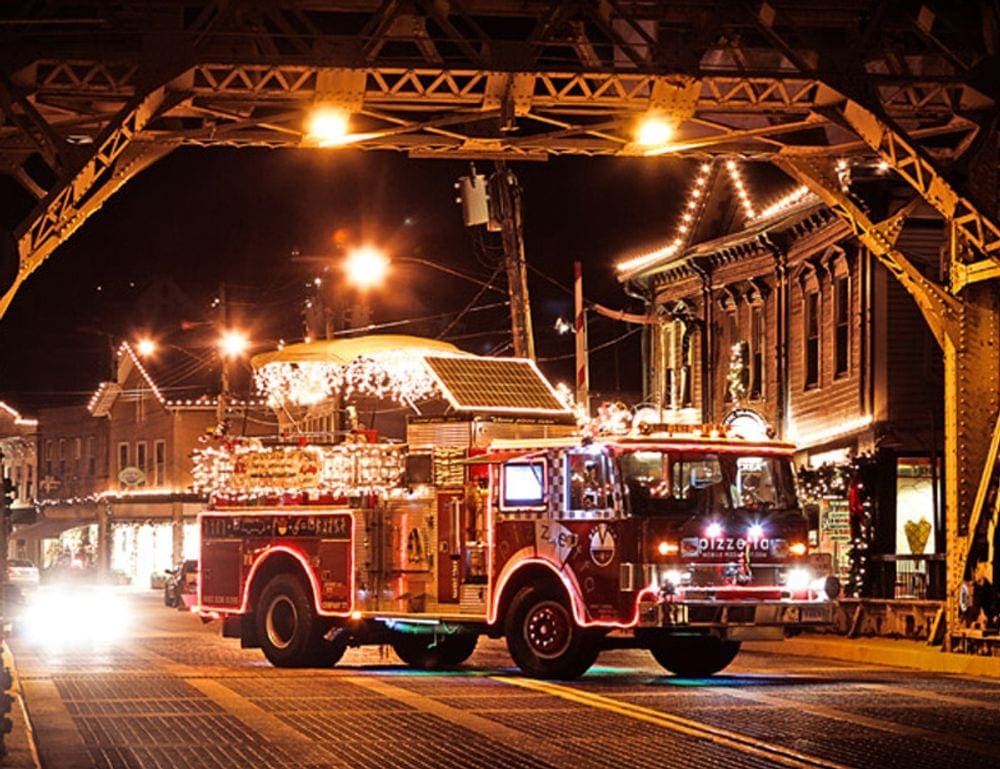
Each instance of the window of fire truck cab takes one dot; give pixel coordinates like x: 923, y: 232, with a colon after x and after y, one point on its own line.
x: 522, y: 486
x: 588, y: 482
x: 660, y: 483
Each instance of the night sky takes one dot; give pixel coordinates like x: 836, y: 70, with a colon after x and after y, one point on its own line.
x: 203, y: 217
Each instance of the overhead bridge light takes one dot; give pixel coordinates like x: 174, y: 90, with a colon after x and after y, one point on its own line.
x: 654, y: 131
x: 328, y: 126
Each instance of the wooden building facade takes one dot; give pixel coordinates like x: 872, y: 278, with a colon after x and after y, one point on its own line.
x: 792, y: 319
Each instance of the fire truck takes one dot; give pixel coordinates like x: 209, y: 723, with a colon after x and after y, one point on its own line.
x: 683, y: 540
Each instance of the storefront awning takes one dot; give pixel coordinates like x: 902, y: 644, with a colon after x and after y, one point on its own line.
x: 49, y: 528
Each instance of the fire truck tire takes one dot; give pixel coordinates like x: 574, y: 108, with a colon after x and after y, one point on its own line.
x: 427, y: 652
x: 286, y: 623
x: 544, y: 639
x: 694, y: 656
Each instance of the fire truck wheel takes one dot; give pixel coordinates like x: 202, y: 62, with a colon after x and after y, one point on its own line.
x: 427, y: 652
x: 543, y: 638
x: 694, y: 656
x: 286, y: 624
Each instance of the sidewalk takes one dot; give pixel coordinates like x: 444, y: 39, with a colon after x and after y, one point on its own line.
x: 20, y: 744
x: 883, y: 651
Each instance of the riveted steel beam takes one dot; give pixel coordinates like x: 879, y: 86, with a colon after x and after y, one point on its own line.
x: 941, y: 310
x: 968, y: 330
x: 912, y: 165
x: 116, y: 158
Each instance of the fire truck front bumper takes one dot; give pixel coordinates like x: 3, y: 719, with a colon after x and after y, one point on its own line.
x: 738, y: 620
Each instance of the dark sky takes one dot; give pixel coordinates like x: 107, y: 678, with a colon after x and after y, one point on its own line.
x: 202, y: 217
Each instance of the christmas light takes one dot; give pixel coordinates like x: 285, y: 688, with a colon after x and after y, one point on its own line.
x: 683, y: 229
x: 799, y: 195
x: 245, y: 470
x: 741, y: 191
x: 397, y: 375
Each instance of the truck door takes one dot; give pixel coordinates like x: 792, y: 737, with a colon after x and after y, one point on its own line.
x: 449, y: 545
x: 221, y: 573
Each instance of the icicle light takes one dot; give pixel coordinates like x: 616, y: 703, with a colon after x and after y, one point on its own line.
x: 399, y: 376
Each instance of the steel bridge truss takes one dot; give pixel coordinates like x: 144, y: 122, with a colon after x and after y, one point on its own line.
x: 92, y: 95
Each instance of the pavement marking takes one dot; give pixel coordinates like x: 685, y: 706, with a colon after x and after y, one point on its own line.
x: 60, y: 745
x: 869, y: 721
x: 935, y: 697
x: 734, y: 740
x: 264, y: 723
x: 538, y: 748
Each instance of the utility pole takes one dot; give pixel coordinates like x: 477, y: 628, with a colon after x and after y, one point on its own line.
x: 580, y: 327
x: 220, y: 411
x: 505, y: 197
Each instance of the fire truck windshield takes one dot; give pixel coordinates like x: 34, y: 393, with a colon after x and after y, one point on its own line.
x: 666, y: 483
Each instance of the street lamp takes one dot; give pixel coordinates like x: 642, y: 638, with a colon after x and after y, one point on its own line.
x: 232, y: 344
x: 366, y: 267
x: 145, y: 347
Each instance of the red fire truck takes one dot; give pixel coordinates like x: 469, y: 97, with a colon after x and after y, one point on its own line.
x: 682, y: 540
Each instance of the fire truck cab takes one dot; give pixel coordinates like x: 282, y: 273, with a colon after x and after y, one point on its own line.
x: 681, y: 540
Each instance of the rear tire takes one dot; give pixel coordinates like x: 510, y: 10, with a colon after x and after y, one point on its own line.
x: 286, y: 623
x: 544, y: 639
x: 426, y: 651
x: 694, y: 656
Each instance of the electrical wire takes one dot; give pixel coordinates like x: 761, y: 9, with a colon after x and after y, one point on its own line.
x: 592, y: 350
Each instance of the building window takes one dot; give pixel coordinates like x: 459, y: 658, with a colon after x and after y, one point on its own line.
x: 91, y: 457
x: 140, y: 458
x: 812, y: 339
x: 159, y: 462
x: 29, y: 485
x: 48, y: 458
x: 77, y: 456
x: 756, y: 352
x: 841, y: 325
x: 62, y: 458
x: 686, y: 387
x: 122, y: 456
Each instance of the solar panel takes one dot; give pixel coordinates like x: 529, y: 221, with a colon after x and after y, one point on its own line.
x: 495, y: 384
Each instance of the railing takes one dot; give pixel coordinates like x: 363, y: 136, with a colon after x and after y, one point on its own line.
x: 914, y: 577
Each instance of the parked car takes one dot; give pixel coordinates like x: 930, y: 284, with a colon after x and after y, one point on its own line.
x: 181, y: 587
x: 22, y: 572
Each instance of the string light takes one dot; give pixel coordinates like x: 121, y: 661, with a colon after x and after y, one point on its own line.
x: 683, y: 229
x: 797, y: 196
x: 741, y: 190
x: 397, y: 375
x: 242, y: 471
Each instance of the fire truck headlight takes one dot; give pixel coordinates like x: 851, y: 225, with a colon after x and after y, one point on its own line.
x: 798, y: 578
x: 674, y: 577
x: 755, y: 532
